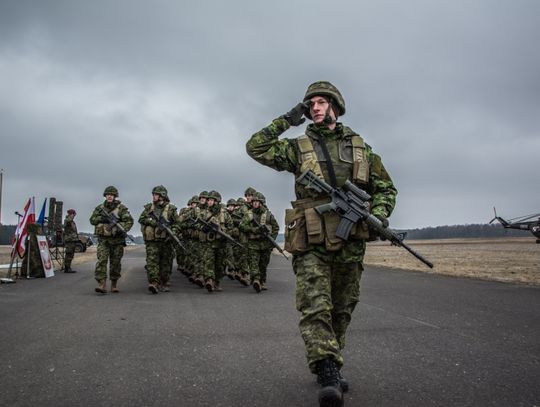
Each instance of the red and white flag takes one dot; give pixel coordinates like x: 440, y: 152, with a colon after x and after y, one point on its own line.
x: 19, y: 240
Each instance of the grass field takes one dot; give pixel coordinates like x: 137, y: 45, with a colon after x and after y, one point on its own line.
x: 502, y: 259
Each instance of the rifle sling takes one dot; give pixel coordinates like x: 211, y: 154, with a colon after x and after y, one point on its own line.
x: 329, y: 165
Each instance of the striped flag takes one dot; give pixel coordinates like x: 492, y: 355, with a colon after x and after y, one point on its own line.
x: 19, y: 240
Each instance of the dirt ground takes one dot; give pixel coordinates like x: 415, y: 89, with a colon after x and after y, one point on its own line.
x: 502, y: 259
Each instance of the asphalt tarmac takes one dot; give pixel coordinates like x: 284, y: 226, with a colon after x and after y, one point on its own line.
x: 415, y: 340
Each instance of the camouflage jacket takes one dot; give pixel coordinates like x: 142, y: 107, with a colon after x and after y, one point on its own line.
x: 150, y: 228
x: 70, y: 229
x: 105, y: 230
x: 284, y: 155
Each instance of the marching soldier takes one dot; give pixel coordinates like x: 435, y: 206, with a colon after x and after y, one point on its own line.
x: 158, y: 220
x: 327, y: 268
x: 256, y: 223
x: 112, y: 221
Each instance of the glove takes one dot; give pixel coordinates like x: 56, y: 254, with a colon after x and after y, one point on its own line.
x: 104, y: 219
x: 294, y: 116
x: 206, y: 229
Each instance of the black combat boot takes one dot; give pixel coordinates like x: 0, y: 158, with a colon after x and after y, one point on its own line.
x: 331, y: 394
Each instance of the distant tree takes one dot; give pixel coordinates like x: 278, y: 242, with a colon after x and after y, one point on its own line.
x: 6, y: 234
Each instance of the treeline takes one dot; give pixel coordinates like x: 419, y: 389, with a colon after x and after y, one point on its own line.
x: 6, y: 233
x: 438, y: 232
x: 464, y: 231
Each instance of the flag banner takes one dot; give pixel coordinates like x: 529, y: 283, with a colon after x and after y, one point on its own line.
x: 19, y: 240
x: 41, y: 217
x: 45, y: 254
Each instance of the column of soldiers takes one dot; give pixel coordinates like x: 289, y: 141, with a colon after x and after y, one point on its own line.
x: 210, y: 239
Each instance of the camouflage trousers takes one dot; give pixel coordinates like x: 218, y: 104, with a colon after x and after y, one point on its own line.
x: 326, y: 295
x: 213, y: 260
x: 69, y: 253
x: 257, y: 259
x: 111, y: 253
x: 159, y: 261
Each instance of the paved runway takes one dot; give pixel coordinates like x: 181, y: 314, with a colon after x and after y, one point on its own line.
x: 416, y: 340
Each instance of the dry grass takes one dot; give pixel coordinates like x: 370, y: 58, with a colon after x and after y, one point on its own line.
x: 508, y: 259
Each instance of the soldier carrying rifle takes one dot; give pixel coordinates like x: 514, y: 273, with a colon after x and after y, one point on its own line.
x: 327, y: 268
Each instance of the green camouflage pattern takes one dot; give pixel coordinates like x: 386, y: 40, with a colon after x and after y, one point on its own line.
x: 110, y: 253
x: 159, y: 261
x: 70, y: 229
x: 159, y: 250
x: 282, y: 155
x: 124, y: 219
x: 326, y: 295
x: 110, y: 249
x: 327, y: 282
x: 259, y: 249
x: 324, y: 88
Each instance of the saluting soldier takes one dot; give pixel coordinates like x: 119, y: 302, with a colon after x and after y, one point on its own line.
x: 327, y: 268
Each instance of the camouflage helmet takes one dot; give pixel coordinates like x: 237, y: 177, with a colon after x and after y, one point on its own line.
x: 110, y: 190
x: 249, y: 191
x: 258, y: 196
x: 232, y: 202
x: 194, y: 199
x: 215, y: 195
x: 203, y: 194
x: 324, y: 88
x: 241, y: 201
x: 161, y: 191
x: 72, y: 212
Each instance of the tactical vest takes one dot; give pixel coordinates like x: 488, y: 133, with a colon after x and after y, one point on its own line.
x: 153, y: 232
x: 102, y: 229
x: 262, y: 221
x: 210, y: 236
x: 309, y: 159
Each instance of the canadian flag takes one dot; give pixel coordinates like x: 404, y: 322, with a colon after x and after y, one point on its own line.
x: 19, y: 240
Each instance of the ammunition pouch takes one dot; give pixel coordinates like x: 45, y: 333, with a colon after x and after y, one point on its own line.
x: 304, y: 227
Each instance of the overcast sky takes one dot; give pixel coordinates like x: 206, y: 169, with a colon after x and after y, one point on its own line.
x: 141, y: 93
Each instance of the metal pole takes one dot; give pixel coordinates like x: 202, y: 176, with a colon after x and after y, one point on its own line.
x: 1, y: 179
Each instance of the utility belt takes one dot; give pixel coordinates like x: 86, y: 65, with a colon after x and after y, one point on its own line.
x: 305, y: 227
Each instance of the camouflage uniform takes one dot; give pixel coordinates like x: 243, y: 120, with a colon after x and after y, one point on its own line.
x: 327, y: 269
x: 213, y: 246
x: 71, y: 237
x: 185, y: 224
x: 111, y: 240
x: 181, y: 254
x: 159, y: 245
x: 258, y: 255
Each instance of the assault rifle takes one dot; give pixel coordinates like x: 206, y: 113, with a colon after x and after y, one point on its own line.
x: 163, y: 224
x: 351, y: 204
x: 114, y: 221
x: 215, y: 228
x: 266, y: 233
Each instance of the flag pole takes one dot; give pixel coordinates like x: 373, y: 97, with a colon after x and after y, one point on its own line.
x: 1, y: 182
